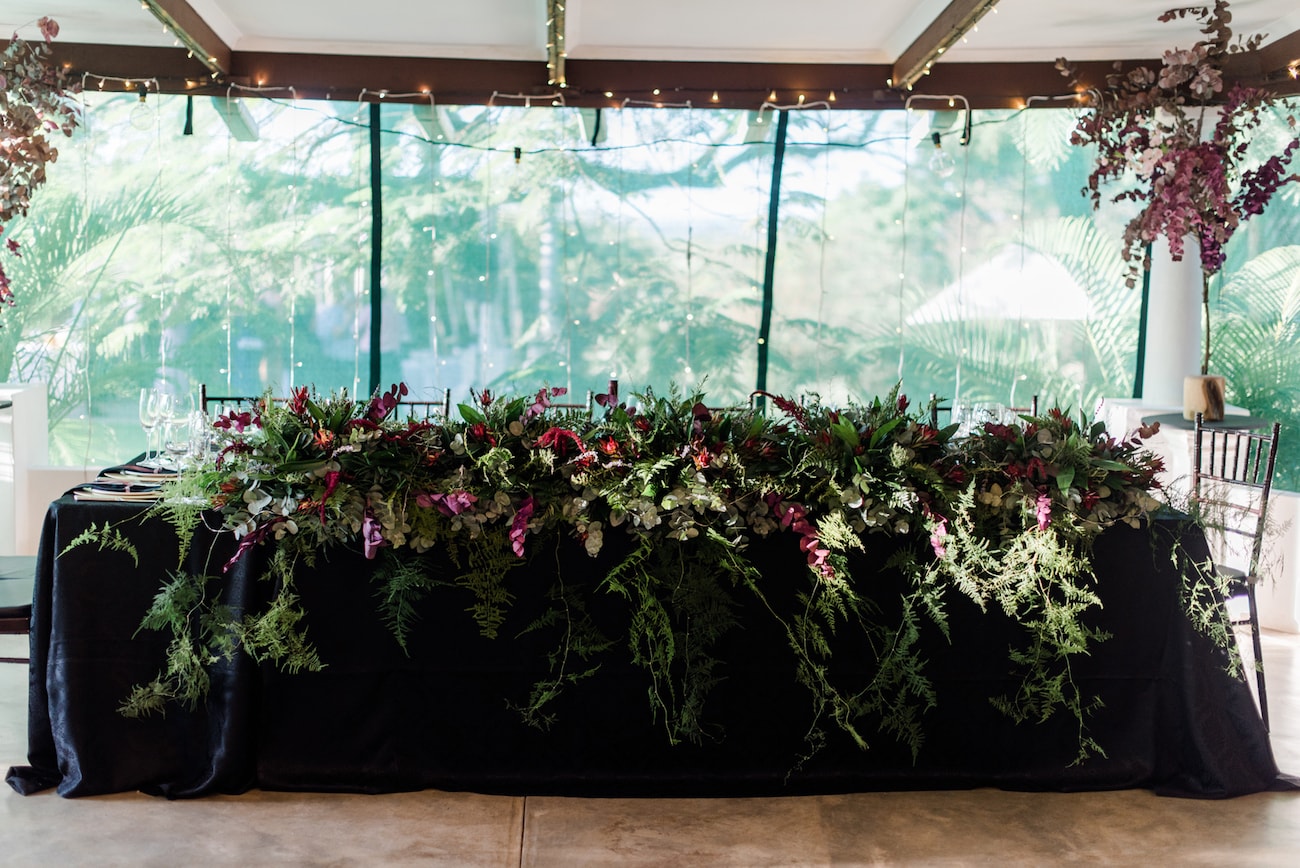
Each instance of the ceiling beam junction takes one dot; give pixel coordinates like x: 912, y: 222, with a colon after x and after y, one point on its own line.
x: 950, y: 25
x: 555, y: 50
x: 200, y: 40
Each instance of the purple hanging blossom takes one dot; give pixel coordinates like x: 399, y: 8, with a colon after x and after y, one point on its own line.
x: 519, y: 527
x: 372, y: 536
x: 452, y: 503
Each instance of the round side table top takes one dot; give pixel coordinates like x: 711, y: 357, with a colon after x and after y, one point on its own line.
x: 1227, y: 423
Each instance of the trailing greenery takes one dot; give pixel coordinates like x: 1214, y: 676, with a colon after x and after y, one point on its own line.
x: 1004, y: 517
x: 580, y: 638
x: 107, y: 538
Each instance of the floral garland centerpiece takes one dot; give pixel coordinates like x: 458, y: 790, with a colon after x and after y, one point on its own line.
x: 1160, y: 141
x: 670, y: 494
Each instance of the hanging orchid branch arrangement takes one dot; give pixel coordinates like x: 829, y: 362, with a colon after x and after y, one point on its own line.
x: 33, y: 102
x: 1158, y: 139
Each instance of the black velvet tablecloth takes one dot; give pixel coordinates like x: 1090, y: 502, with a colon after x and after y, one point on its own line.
x: 377, y: 719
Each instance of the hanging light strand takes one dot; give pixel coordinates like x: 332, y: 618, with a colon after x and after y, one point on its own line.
x: 359, y: 174
x: 902, y: 246
x: 435, y: 182
x: 821, y: 262
x: 961, y: 277
x: 295, y: 223
x: 690, y: 244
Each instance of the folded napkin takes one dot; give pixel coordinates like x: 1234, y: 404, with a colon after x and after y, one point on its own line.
x: 119, y: 496
x: 110, y: 488
x: 134, y: 476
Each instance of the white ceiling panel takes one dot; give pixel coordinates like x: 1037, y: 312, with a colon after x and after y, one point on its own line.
x: 811, y: 31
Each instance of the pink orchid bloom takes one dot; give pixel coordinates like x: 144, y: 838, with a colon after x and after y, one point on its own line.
x: 1044, y: 511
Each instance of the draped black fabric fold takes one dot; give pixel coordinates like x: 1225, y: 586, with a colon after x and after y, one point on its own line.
x: 376, y: 719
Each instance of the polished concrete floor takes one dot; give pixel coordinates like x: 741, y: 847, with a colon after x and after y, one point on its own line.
x: 977, y: 827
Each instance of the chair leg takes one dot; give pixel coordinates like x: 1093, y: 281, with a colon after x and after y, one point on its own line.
x: 1259, y: 653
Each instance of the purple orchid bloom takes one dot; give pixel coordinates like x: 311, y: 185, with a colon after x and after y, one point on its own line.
x: 372, y: 536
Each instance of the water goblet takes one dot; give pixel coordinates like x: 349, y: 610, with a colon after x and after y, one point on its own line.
x: 201, y: 436
x: 176, y: 440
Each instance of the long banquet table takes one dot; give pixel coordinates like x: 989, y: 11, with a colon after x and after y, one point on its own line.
x: 375, y: 719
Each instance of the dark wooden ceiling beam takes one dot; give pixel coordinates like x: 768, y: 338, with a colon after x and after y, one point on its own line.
x: 1278, y: 62
x: 174, y: 71
x: 948, y: 26
x: 474, y: 82
x: 194, y: 32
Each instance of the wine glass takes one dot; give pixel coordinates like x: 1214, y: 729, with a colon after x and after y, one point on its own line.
x: 149, y: 417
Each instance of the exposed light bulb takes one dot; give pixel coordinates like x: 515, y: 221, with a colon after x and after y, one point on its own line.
x: 142, y: 114
x: 941, y: 162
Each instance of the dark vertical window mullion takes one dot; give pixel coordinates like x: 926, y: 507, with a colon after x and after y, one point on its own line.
x: 769, y: 267
x: 376, y: 248
x: 1140, y: 363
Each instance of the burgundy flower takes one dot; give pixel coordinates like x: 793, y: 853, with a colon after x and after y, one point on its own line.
x: 298, y: 400
x: 1009, y: 433
x: 480, y: 431
x: 239, y: 420
x: 560, y: 440
x: 331, y: 483
x: 385, y: 402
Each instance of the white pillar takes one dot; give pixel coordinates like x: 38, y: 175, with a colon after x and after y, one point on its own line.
x: 1173, y: 347
x: 24, y: 441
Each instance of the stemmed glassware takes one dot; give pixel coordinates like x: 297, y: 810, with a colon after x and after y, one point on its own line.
x: 167, y: 413
x: 176, y: 439
x: 174, y: 418
x: 151, y: 401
